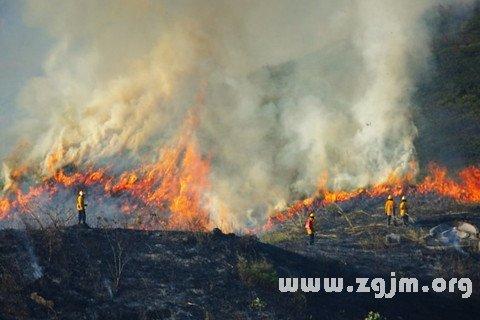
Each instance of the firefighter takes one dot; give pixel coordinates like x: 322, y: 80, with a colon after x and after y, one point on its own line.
x: 81, y: 205
x: 390, y: 210
x: 309, y: 226
x: 404, y: 210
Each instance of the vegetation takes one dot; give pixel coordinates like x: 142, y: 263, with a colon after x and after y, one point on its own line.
x: 447, y: 96
x: 257, y: 273
x: 374, y: 316
x: 258, y: 304
x: 292, y: 229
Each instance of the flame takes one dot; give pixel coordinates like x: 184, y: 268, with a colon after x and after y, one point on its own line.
x: 173, y: 189
x: 177, y: 183
x: 4, y: 208
x: 464, y: 189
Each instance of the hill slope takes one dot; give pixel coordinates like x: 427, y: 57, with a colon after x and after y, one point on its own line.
x: 77, y: 273
x: 448, y: 95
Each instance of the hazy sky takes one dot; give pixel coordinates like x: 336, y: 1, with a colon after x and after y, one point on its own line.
x: 22, y: 52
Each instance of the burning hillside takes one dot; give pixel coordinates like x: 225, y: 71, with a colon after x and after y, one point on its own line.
x: 167, y: 194
x: 464, y: 189
x: 193, y: 117
x: 170, y: 194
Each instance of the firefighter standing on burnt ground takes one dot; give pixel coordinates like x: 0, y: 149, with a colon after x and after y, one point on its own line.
x: 310, y: 228
x: 404, y: 211
x: 81, y: 205
x: 390, y: 210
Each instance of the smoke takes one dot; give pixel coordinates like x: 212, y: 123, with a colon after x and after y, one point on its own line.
x: 284, y: 92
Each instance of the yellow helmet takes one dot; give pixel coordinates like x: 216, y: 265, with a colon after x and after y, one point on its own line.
x: 404, y: 198
x: 312, y: 215
x: 390, y: 197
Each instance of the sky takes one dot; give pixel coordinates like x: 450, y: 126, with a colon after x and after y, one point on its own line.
x: 22, y: 52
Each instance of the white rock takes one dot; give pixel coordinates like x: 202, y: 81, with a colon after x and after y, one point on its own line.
x: 392, y: 238
x: 467, y: 228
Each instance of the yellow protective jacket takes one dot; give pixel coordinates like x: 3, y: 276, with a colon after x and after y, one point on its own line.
x: 403, y: 208
x: 81, y: 202
x: 390, y: 207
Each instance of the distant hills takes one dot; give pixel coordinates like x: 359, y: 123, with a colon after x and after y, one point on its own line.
x: 447, y: 97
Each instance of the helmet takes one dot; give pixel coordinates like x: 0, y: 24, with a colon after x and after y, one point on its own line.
x: 390, y: 197
x: 312, y: 215
x: 81, y: 192
x: 403, y: 198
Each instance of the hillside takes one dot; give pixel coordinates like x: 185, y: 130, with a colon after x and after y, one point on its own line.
x: 447, y: 97
x: 76, y: 273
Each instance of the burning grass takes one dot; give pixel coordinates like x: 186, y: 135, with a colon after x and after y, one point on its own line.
x: 437, y: 190
x: 172, y: 193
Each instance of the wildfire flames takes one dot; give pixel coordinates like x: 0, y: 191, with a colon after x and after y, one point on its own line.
x: 465, y: 189
x: 171, y: 192
x: 174, y: 185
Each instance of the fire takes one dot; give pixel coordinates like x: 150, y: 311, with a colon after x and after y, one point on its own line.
x: 4, y: 208
x: 176, y: 183
x: 464, y: 189
x: 170, y: 193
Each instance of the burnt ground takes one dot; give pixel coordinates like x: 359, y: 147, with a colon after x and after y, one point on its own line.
x: 77, y: 273
x: 357, y: 240
x: 128, y: 274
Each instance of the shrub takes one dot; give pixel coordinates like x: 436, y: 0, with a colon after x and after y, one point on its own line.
x: 258, y: 272
x: 258, y: 304
x: 374, y: 316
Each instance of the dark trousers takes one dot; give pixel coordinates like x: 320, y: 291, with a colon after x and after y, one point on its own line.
x: 312, y: 238
x: 82, y: 217
x: 389, y: 220
x: 405, y: 220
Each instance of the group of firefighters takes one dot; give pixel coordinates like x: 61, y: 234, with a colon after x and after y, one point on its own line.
x: 309, y: 224
x: 390, y: 212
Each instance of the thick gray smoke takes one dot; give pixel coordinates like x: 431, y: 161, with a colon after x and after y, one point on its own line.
x: 290, y: 91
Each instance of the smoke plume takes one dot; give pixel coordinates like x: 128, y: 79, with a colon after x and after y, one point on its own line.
x: 283, y: 92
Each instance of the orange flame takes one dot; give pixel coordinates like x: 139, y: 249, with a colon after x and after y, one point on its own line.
x: 177, y: 183
x: 464, y: 189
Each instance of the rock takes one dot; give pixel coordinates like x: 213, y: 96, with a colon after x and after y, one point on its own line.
x: 467, y: 228
x: 392, y: 238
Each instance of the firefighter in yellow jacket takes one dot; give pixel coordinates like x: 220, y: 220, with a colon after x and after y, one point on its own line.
x: 390, y: 210
x: 310, y: 228
x: 81, y: 205
x: 404, y: 210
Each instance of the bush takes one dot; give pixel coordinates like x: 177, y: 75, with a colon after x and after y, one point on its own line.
x: 374, y: 316
x: 258, y: 304
x: 259, y: 272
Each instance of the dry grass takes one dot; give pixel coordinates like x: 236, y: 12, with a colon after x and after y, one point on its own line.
x: 416, y: 235
x: 289, y: 231
x: 372, y: 241
x: 257, y: 272
x: 120, y: 257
